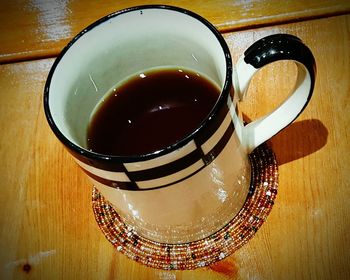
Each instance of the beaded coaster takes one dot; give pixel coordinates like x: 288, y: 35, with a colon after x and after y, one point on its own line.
x: 236, y: 233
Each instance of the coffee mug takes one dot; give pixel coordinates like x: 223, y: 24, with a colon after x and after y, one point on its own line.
x: 193, y: 186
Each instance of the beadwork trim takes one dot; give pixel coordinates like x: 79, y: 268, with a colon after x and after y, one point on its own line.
x: 192, y: 255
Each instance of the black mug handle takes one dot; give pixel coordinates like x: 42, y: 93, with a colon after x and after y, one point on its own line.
x: 264, y: 51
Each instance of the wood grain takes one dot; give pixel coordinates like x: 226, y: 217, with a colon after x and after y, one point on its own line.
x: 47, y: 228
x: 41, y: 28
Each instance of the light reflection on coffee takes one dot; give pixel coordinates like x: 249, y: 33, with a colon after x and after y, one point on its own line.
x: 150, y: 111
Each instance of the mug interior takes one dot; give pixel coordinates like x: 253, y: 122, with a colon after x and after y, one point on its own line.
x: 121, y: 45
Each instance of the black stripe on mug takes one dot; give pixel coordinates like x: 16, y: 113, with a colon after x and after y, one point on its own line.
x: 132, y: 186
x: 152, y: 175
x: 166, y: 169
x: 209, y: 157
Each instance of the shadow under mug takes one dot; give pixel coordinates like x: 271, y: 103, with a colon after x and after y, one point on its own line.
x: 195, y: 186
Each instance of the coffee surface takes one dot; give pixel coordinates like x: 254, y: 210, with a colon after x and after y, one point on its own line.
x: 150, y: 111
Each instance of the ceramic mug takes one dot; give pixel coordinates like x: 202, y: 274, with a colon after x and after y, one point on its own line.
x: 193, y: 187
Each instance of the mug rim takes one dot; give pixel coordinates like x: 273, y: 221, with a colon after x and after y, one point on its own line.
x: 83, y: 152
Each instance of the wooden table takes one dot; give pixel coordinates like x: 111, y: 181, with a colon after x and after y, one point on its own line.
x: 47, y: 227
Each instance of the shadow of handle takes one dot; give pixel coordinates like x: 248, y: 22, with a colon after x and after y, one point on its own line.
x: 299, y: 140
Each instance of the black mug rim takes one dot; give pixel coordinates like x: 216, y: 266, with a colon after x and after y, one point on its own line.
x: 83, y: 152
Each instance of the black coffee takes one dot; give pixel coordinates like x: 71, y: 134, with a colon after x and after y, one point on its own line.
x: 151, y: 111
